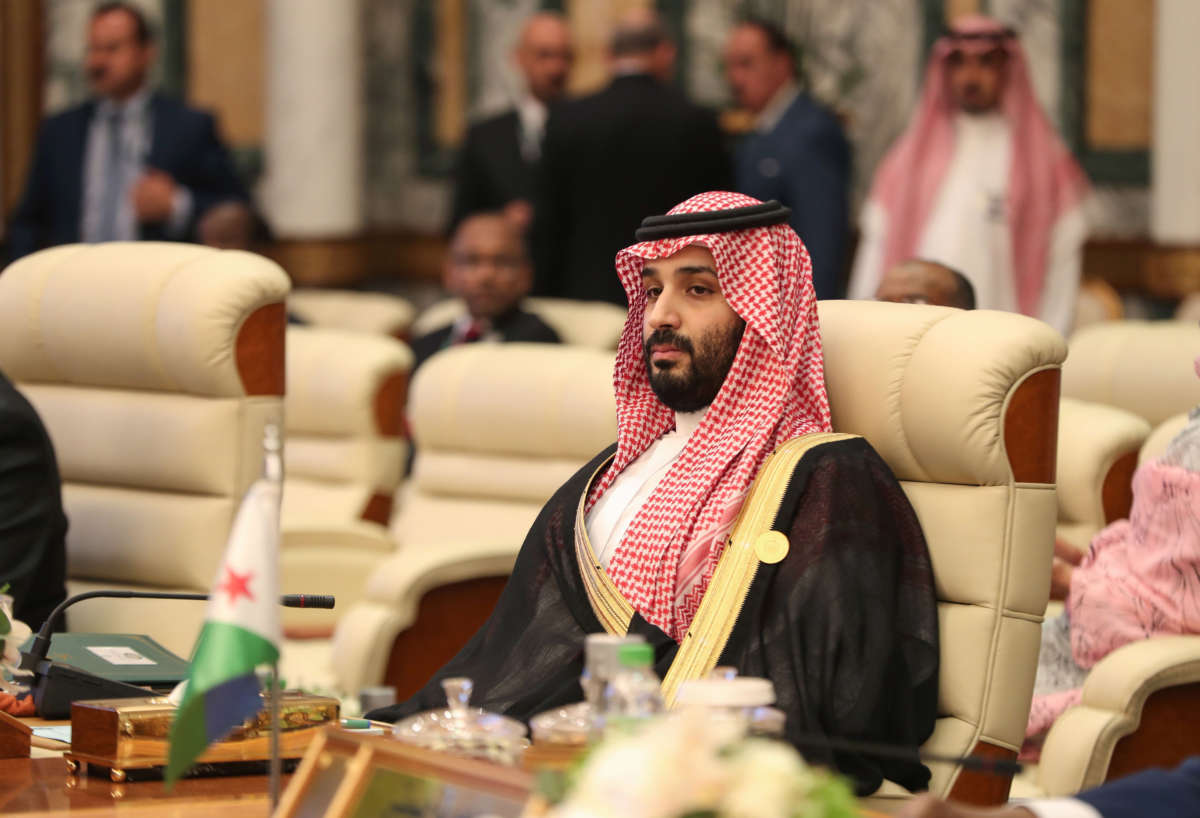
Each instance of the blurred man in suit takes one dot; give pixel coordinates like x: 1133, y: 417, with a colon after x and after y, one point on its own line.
x: 1151, y: 792
x: 636, y: 147
x: 33, y: 527
x: 489, y: 270
x: 129, y: 164
x: 797, y: 153
x: 917, y: 281
x: 496, y: 164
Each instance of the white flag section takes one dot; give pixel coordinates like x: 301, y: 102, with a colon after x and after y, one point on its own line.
x: 241, y: 631
x: 245, y: 591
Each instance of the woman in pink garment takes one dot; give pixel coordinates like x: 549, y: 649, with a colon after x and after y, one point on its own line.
x: 1140, y: 577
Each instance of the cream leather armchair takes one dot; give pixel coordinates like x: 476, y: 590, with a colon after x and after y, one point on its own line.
x: 1140, y: 705
x: 375, y: 313
x: 1098, y: 449
x: 1140, y: 709
x: 344, y: 456
x: 1144, y: 367
x: 498, y: 428
x: 963, y: 407
x: 594, y: 324
x: 345, y: 426
x: 154, y: 368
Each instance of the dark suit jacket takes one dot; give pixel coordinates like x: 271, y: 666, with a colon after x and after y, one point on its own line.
x: 33, y: 528
x: 1153, y: 792
x: 635, y: 149
x: 516, y: 325
x: 804, y: 162
x: 491, y: 171
x: 184, y: 143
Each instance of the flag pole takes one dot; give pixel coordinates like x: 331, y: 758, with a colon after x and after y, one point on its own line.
x: 273, y: 463
x: 276, y: 765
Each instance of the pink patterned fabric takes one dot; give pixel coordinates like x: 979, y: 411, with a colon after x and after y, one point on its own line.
x: 1140, y: 577
x: 1044, y: 179
x: 775, y: 390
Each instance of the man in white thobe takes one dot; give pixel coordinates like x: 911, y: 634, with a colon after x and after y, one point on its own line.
x: 980, y: 182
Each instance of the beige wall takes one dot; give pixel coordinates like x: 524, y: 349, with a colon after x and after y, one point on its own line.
x: 226, y: 51
x: 1120, y: 73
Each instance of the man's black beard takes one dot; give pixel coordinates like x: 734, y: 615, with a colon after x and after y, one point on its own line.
x: 699, y: 386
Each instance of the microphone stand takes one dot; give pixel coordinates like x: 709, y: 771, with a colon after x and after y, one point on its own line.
x: 57, y: 684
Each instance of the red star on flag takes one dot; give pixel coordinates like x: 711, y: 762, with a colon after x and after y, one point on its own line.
x: 236, y: 585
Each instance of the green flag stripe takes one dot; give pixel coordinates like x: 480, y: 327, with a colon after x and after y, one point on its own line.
x: 224, y: 651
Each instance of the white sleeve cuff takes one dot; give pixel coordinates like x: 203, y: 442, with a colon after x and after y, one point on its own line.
x: 181, y: 212
x: 1059, y: 808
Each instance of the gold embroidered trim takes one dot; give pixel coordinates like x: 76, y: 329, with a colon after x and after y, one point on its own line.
x: 705, y: 640
x: 613, y: 610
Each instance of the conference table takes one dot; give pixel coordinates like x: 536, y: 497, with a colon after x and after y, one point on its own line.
x: 43, y: 787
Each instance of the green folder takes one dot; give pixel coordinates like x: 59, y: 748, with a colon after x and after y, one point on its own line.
x: 124, y: 657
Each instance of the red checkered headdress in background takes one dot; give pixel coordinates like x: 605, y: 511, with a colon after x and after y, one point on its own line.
x: 775, y: 390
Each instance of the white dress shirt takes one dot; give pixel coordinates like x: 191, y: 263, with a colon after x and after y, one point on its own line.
x: 531, y: 114
x: 614, y: 511
x: 770, y: 115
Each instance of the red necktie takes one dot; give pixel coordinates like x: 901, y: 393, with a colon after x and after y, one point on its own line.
x: 474, y: 332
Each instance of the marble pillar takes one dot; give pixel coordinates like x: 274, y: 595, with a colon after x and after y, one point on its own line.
x: 313, y: 187
x: 1175, y: 162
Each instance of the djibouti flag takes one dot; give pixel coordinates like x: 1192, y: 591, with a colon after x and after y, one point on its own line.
x: 241, y: 631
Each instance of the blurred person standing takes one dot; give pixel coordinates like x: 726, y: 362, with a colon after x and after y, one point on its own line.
x: 796, y: 153
x: 499, y: 155
x: 130, y: 163
x: 638, y: 146
x: 489, y: 270
x: 980, y: 181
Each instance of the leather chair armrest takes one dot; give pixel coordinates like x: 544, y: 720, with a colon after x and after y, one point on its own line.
x: 1156, y: 444
x: 1137, y: 705
x: 1097, y: 453
x: 378, y: 630
x: 352, y: 534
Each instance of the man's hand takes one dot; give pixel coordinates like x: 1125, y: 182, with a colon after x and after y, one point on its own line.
x: 927, y: 806
x: 1066, y: 557
x: 153, y: 195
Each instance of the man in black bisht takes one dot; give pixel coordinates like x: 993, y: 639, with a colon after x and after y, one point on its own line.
x: 33, y: 527
x: 728, y: 525
x: 638, y: 146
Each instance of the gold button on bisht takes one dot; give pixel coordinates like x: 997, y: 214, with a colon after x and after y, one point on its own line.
x: 771, y: 546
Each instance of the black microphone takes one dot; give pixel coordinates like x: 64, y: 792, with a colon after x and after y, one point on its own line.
x: 57, y: 684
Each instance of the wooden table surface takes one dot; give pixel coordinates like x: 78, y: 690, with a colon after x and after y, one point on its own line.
x: 43, y: 787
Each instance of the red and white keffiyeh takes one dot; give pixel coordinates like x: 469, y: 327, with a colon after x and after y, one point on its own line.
x: 775, y: 391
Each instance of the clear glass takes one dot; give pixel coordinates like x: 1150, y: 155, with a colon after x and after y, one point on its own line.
x: 464, y: 730
x: 570, y: 725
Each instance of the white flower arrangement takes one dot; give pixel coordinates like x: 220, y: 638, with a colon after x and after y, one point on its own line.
x: 687, y: 765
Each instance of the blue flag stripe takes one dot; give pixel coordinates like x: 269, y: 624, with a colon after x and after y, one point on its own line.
x: 229, y: 704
